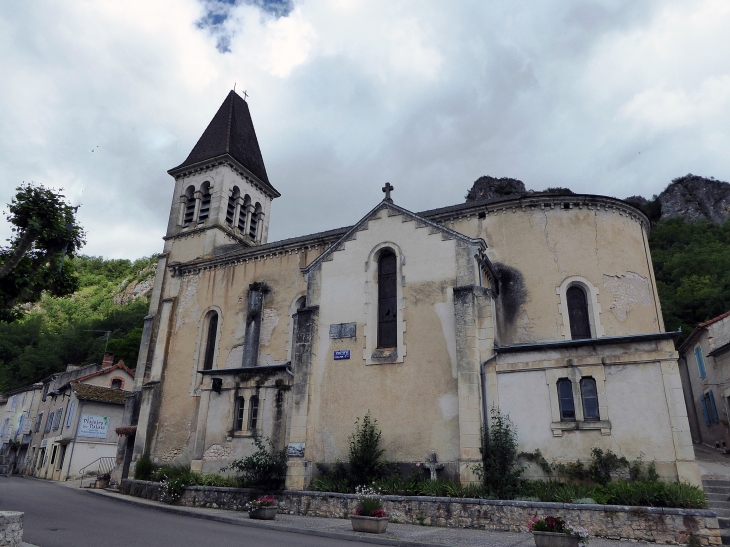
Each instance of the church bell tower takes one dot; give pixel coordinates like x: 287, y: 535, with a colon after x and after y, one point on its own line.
x: 222, y: 192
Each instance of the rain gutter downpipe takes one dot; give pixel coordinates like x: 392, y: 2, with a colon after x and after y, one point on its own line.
x: 483, y: 376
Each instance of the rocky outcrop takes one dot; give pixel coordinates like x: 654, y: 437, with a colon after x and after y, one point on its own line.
x: 491, y: 188
x: 696, y: 198
x: 140, y: 286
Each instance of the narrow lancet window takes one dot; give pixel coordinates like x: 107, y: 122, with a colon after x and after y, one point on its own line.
x: 589, y: 394
x: 387, y: 300
x: 255, y: 219
x: 244, y: 213
x: 580, y: 326
x: 565, y: 397
x: 253, y: 417
x: 238, y: 414
x: 210, y: 343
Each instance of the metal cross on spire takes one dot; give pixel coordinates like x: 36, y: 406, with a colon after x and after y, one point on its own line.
x: 388, y: 188
x: 245, y: 94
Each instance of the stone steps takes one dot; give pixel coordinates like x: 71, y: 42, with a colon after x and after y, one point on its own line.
x: 718, y: 500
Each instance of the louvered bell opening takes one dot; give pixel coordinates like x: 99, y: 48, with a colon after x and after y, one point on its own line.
x: 230, y: 211
x: 242, y: 219
x: 204, y: 207
x: 189, y: 211
x: 252, y: 228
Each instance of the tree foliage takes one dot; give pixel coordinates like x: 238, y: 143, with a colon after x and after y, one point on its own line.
x: 499, y: 469
x: 692, y: 269
x: 365, y: 451
x: 72, y: 330
x: 44, y: 232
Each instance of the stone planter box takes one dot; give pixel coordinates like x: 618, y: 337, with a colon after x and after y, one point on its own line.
x: 551, y: 539
x: 264, y: 513
x: 101, y: 483
x: 371, y: 525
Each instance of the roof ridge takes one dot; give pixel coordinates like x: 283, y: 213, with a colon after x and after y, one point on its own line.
x: 230, y: 117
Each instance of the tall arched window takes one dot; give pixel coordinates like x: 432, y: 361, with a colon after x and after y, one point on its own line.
x: 580, y: 325
x: 210, y: 341
x: 244, y: 213
x: 189, y: 205
x: 231, y: 210
x: 255, y: 218
x: 387, y: 300
x: 204, y: 201
x: 565, y: 398
x: 253, y: 416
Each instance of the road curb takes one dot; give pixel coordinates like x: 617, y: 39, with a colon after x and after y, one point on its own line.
x: 254, y: 524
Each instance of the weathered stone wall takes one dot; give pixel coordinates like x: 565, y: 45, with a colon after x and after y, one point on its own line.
x: 11, y: 528
x: 653, y: 524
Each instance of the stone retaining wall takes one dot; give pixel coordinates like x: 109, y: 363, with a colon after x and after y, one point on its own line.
x: 11, y: 529
x: 652, y: 524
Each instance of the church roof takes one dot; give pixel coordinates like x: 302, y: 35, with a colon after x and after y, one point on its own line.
x: 230, y: 132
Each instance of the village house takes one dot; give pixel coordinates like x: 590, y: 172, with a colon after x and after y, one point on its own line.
x: 544, y: 307
x: 704, y: 365
x: 17, y: 409
x: 74, y: 427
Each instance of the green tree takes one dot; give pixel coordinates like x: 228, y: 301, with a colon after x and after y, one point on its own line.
x: 365, y: 451
x: 499, y: 470
x: 45, y: 231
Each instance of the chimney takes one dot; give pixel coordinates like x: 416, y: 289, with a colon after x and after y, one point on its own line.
x: 108, y: 360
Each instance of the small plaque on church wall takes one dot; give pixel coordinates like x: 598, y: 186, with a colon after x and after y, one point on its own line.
x: 342, y: 330
x: 295, y: 450
x: 341, y: 354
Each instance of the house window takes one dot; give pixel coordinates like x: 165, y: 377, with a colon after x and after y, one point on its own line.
x: 49, y: 422
x: 45, y: 391
x: 238, y: 414
x: 709, y: 409
x: 589, y: 394
x: 53, y: 453
x: 38, y: 422
x: 5, y: 424
x: 387, y: 300
x: 204, y: 202
x: 231, y: 209
x: 189, y: 205
x: 210, y: 342
x: 253, y: 417
x: 565, y: 397
x: 57, y: 419
x: 700, y: 362
x: 12, y: 402
x: 20, y: 424
x: 71, y: 412
x: 61, y: 457
x: 580, y: 326
x: 117, y: 383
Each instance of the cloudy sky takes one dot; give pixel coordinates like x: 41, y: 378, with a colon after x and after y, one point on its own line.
x: 608, y: 97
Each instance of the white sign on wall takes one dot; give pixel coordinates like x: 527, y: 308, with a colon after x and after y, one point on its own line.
x: 93, y: 426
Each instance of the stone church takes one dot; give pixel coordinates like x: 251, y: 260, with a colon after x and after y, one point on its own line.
x: 544, y: 306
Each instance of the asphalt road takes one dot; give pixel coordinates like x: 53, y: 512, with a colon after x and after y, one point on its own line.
x: 59, y: 516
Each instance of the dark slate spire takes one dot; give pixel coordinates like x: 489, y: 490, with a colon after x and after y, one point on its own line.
x: 230, y: 132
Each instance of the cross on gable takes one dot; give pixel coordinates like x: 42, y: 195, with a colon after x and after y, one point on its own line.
x: 245, y: 94
x: 388, y: 188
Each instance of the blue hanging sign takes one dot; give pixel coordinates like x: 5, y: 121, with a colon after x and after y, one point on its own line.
x: 341, y: 354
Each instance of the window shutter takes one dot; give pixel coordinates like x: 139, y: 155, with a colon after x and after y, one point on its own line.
x: 704, y: 410
x: 700, y: 362
x: 714, y: 408
x: 70, y: 413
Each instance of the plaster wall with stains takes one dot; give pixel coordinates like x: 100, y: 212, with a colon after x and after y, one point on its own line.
x: 541, y: 248
x: 415, y: 398
x: 224, y: 290
x: 642, y: 412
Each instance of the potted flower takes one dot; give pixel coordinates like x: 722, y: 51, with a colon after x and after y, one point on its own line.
x: 369, y: 515
x: 102, y: 481
x: 263, y: 508
x: 555, y: 532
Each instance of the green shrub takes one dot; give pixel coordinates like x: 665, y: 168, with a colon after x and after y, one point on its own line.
x: 499, y: 471
x: 605, y: 463
x: 263, y: 469
x: 365, y: 452
x: 143, y: 469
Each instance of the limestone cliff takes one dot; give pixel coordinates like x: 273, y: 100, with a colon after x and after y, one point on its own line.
x: 696, y: 198
x: 490, y: 188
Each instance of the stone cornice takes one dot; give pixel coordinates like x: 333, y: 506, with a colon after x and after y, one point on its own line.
x: 230, y: 161
x: 183, y: 233
x: 541, y: 202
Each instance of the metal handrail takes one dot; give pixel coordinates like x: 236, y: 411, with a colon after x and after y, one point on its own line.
x: 105, y: 464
